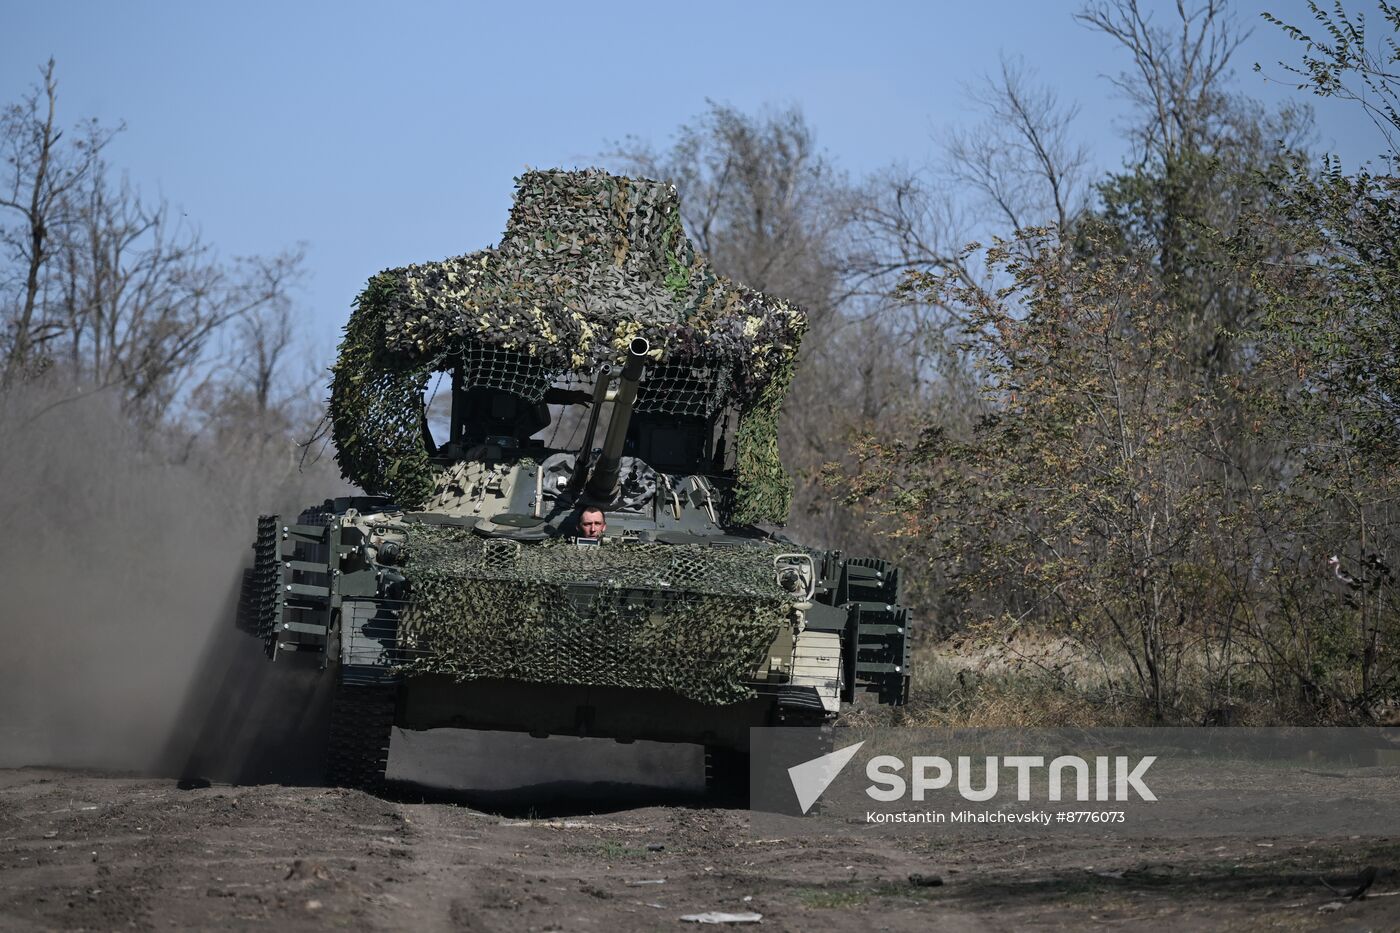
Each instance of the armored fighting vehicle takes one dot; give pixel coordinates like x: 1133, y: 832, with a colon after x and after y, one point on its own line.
x: 595, y: 360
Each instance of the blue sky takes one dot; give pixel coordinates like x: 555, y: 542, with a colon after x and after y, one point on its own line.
x: 380, y: 135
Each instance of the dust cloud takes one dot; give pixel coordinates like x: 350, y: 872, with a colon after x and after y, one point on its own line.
x: 119, y: 563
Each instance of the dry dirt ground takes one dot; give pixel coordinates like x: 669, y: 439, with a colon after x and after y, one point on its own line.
x: 109, y: 851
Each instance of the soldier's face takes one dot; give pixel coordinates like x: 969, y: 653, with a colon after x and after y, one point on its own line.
x: 592, y: 524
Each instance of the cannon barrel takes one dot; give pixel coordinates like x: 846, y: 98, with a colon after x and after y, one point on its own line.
x: 600, y: 395
x: 602, y: 482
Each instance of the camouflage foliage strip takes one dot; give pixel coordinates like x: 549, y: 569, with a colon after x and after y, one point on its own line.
x: 588, y: 262
x: 377, y: 405
x: 691, y: 619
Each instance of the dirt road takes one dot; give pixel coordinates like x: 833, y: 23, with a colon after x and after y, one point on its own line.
x: 105, y: 851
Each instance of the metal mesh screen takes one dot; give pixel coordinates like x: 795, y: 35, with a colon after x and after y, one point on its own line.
x: 486, y: 367
x: 692, y: 619
x: 670, y: 389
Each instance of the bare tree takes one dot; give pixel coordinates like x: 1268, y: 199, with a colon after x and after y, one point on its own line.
x: 116, y: 291
x: 1022, y: 160
x: 143, y: 295
x: 265, y: 336
x: 42, y: 176
x: 757, y: 196
x: 766, y: 206
x: 1177, y: 74
x: 1018, y: 168
x: 1201, y: 152
x: 902, y: 220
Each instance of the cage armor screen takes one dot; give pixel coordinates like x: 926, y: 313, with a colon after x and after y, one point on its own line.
x: 588, y: 261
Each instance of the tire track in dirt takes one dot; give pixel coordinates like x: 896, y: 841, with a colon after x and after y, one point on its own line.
x: 87, y: 850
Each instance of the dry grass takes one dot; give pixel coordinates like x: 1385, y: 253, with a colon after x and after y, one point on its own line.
x: 1046, y: 682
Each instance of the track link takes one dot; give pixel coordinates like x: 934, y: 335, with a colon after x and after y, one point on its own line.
x: 362, y: 720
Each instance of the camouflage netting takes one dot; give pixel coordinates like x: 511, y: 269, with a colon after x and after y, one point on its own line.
x: 690, y: 618
x: 588, y: 262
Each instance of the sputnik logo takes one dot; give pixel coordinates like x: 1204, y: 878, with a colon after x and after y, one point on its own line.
x: 810, y: 779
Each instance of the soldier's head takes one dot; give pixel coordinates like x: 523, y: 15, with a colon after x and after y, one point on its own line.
x: 591, y: 523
